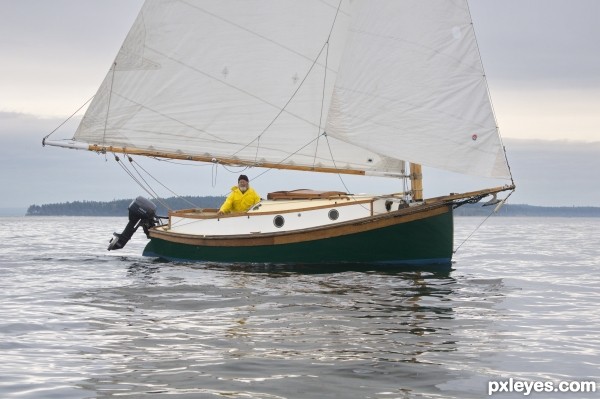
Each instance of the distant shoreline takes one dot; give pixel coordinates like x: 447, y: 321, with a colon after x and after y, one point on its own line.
x: 119, y: 208
x: 522, y: 210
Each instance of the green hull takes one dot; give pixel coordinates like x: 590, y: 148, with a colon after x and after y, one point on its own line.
x: 423, y: 241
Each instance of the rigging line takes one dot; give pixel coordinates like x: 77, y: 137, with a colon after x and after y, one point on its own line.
x: 484, y: 220
x: 289, y: 156
x: 193, y: 68
x: 131, y: 175
x: 214, y: 171
x: 257, y: 148
x: 147, y: 190
x: 156, y: 180
x: 339, y: 174
x: 247, y: 30
x: 507, y: 164
x: 230, y: 170
x: 325, y: 46
x: 65, y: 121
x: 334, y: 164
x: 473, y: 232
x: 322, y: 102
x: 325, y: 79
x: 201, y: 165
x: 135, y: 179
x: 404, y: 179
x: 337, y: 11
x: 156, y: 196
x: 112, y: 80
x: 281, y: 110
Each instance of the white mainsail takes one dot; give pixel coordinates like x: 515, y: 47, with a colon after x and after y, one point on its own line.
x: 358, y: 85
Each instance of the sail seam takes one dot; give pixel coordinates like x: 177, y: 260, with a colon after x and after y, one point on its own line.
x: 281, y: 110
x: 248, y: 30
x: 239, y: 89
x: 417, y: 47
x: 110, y: 92
x: 217, y: 138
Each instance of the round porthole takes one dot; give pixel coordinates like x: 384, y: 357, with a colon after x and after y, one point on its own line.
x: 334, y: 214
x: 278, y: 221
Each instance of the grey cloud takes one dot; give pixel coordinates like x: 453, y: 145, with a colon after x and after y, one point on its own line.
x: 539, y: 41
x: 556, y: 173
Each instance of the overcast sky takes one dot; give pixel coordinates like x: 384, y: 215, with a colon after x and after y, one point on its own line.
x: 542, y: 59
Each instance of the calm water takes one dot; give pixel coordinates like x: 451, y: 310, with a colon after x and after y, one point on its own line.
x: 522, y: 300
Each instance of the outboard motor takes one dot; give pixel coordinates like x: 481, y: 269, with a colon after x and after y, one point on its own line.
x: 142, y: 212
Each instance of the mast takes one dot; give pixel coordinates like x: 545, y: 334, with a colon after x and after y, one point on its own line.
x: 416, y: 181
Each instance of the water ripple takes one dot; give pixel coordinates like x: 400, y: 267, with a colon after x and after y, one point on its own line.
x: 79, y: 322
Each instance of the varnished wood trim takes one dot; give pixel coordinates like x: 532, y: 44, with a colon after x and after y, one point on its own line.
x: 194, y: 212
x: 194, y: 215
x: 306, y: 194
x: 453, y: 197
x: 219, y: 160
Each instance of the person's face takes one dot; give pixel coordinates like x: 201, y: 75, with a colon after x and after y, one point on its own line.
x: 243, y: 185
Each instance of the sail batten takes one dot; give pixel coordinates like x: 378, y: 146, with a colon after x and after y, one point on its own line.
x: 362, y: 86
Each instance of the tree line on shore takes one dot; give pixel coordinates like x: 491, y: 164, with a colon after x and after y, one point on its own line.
x: 119, y: 208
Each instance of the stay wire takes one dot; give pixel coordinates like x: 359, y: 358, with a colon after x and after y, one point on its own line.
x: 214, y: 171
x: 133, y: 162
x: 473, y: 232
x: 156, y: 196
x: 132, y: 176
x: 325, y: 79
x: 481, y: 224
x: 322, y: 102
x: 335, y: 166
x: 66, y: 120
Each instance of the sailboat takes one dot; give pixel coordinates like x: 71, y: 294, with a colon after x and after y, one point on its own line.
x: 372, y: 88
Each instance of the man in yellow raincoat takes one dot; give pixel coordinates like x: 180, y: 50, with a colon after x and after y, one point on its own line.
x: 241, y: 199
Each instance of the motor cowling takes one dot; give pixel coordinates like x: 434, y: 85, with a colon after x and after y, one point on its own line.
x: 142, y: 212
